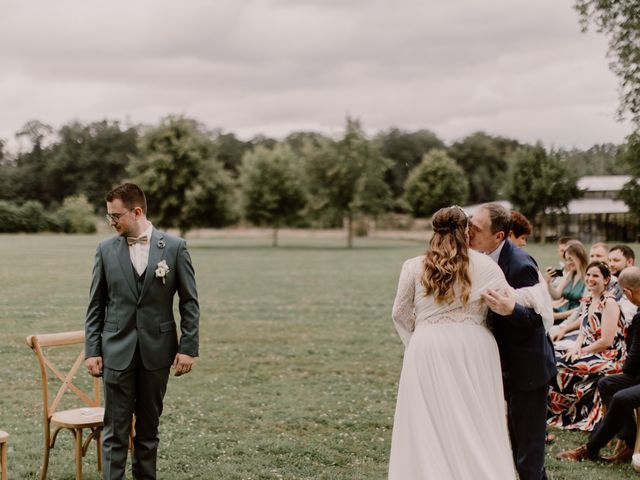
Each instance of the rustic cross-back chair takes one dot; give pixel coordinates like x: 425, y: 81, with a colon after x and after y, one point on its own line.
x: 635, y: 464
x: 77, y: 419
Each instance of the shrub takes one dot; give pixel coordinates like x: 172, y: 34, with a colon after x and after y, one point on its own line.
x: 9, y: 217
x: 76, y: 214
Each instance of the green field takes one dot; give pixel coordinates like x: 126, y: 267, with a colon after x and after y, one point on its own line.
x: 298, y: 368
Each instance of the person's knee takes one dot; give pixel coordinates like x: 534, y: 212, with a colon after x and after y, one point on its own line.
x: 623, y: 401
x: 606, y: 387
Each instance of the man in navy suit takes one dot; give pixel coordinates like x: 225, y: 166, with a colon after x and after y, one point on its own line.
x: 526, y: 352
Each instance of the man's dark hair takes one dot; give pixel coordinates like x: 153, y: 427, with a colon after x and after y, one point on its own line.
x: 519, y: 224
x: 564, y: 240
x: 130, y: 194
x: 500, y: 218
x: 627, y: 252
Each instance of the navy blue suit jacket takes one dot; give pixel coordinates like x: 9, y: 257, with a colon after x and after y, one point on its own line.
x: 526, y: 351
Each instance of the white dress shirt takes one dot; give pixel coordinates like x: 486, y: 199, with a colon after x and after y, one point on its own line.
x: 139, y: 253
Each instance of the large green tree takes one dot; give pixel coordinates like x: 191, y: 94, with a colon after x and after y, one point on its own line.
x: 405, y: 150
x: 619, y: 20
x: 346, y: 178
x: 271, y: 187
x: 603, y: 159
x: 436, y: 183
x: 230, y: 150
x: 539, y: 182
x: 484, y: 159
x: 186, y: 186
x: 86, y: 159
x: 30, y: 180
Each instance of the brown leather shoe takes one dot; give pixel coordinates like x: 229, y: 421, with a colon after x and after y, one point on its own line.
x: 575, y: 455
x: 622, y: 455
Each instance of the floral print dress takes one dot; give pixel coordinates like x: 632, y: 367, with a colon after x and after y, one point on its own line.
x: 573, y: 399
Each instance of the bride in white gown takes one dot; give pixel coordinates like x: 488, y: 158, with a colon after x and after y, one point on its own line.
x: 450, y: 421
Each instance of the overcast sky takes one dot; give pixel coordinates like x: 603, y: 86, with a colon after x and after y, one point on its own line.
x: 516, y: 68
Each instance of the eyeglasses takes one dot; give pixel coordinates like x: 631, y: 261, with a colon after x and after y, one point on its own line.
x: 115, y: 217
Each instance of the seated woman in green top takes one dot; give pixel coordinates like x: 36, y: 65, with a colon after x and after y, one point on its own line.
x: 570, y: 288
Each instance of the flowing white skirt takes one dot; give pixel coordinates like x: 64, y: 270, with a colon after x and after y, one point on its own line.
x: 450, y: 421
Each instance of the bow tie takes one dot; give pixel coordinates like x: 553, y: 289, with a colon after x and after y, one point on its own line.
x: 142, y: 240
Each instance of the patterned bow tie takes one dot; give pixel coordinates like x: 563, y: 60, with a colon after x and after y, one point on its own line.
x: 142, y: 240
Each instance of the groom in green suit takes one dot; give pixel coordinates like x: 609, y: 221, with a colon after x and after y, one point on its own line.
x: 131, y: 337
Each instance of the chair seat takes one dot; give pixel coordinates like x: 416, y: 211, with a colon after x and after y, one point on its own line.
x: 79, y: 417
x: 4, y: 436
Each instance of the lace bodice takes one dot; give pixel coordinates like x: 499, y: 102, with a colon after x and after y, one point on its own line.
x: 412, y: 307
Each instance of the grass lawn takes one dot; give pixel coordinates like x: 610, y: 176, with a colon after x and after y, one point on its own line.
x: 298, y: 369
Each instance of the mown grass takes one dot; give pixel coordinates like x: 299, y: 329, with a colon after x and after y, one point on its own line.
x: 298, y: 369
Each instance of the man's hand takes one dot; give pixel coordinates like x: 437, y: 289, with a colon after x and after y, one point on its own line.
x: 94, y: 365
x: 182, y: 364
x: 498, y: 303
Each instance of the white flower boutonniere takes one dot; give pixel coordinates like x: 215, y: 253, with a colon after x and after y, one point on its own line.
x: 161, y: 270
x: 161, y: 244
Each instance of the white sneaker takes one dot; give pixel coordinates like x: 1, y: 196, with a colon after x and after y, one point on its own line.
x: 635, y: 462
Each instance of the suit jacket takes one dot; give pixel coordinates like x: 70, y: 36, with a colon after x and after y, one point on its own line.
x: 526, y: 351
x: 631, y: 364
x: 120, y: 317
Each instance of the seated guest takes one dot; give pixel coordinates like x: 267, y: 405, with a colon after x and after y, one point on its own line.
x: 620, y: 393
x: 599, y: 252
x: 520, y: 229
x: 571, y: 286
x: 621, y: 257
x: 599, y: 350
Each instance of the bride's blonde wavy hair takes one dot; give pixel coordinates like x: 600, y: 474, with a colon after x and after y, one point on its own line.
x: 446, y: 261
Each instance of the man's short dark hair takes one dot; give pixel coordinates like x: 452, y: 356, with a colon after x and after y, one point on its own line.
x: 130, y: 194
x: 627, y: 252
x: 519, y: 224
x: 564, y: 240
x: 500, y: 218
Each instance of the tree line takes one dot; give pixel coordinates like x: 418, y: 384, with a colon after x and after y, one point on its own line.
x: 195, y: 176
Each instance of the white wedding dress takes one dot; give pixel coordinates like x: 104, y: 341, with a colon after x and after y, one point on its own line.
x: 450, y: 421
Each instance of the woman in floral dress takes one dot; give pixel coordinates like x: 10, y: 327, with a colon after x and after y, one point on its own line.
x: 599, y: 350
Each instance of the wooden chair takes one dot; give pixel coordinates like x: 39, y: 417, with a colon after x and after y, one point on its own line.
x: 634, y: 463
x: 4, y: 444
x: 74, y: 420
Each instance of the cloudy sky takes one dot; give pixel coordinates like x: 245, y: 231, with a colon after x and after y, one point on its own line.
x: 516, y: 68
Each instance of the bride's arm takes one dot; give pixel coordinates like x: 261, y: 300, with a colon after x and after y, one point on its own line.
x: 403, y: 313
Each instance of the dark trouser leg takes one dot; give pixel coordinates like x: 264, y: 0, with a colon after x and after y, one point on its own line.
x: 119, y: 388
x: 621, y: 395
x: 151, y: 386
x: 527, y: 428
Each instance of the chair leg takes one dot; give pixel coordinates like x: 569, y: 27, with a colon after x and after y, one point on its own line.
x: 3, y: 460
x: 45, y: 458
x: 99, y: 450
x: 77, y: 433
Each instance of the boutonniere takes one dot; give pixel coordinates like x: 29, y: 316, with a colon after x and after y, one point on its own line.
x: 162, y: 269
x: 161, y: 244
